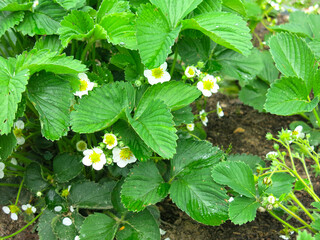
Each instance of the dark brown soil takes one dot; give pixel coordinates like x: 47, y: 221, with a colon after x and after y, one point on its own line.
x: 245, y: 129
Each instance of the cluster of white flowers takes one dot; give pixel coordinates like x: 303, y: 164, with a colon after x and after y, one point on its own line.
x: 17, y: 131
x: 157, y: 75
x: 85, y: 85
x: 312, y: 9
x: 120, y: 155
x: 13, y: 210
x: 29, y: 209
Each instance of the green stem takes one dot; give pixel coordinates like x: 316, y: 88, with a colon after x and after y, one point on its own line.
x: 12, y: 45
x: 304, y: 116
x: 20, y: 230
x: 291, y: 158
x: 317, y: 116
x: 84, y: 53
x: 267, y: 173
x: 21, y: 158
x: 296, y: 217
x: 174, y: 61
x: 307, y: 172
x: 296, y: 200
x: 9, y: 185
x: 19, y: 191
x: 194, y: 136
x: 283, y: 222
x: 73, y: 47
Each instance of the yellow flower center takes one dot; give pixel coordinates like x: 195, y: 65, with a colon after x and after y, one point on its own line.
x: 14, y: 209
x: 95, y: 157
x: 203, y: 117
x: 191, y: 71
x: 65, y: 193
x: 208, y: 85
x: 157, y: 72
x: 219, y: 110
x: 18, y: 132
x: 125, y: 154
x: 83, y: 85
x: 29, y: 211
x: 109, y: 140
x: 295, y: 133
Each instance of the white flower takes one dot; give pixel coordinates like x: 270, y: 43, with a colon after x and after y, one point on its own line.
x: 190, y: 127
x: 35, y: 4
x: 157, y: 75
x: 123, y: 156
x: 39, y: 194
x: 94, y: 157
x: 203, y: 117
x: 85, y: 85
x: 271, y: 155
x: 297, y: 132
x: 14, y: 161
x: 110, y: 140
x: 311, y: 9
x: 284, y: 237
x: 81, y: 146
x: 219, y: 110
x: 162, y: 232
x: 57, y: 208
x: 28, y: 209
x: 17, y: 131
x: 191, y: 72
x: 208, y: 85
x: 271, y: 199
x: 67, y: 221
x: 231, y: 199
x: 2, y: 166
x: 12, y: 210
x: 77, y: 238
x: 71, y: 209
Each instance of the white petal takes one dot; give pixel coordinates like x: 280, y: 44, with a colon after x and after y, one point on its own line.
x: 147, y: 73
x: 20, y: 140
x: 206, y: 93
x: 87, y: 152
x: 86, y: 161
x: 2, y: 166
x: 1, y: 174
x: 76, y: 238
x: 71, y: 209
x: 90, y: 86
x: 83, y: 76
x: 164, y: 66
x: 33, y: 209
x: 132, y: 159
x: 97, y: 150
x: 97, y: 166
x: 152, y: 80
x: 122, y: 163
x: 202, y: 112
x: 13, y: 161
x: 215, y: 88
x: 24, y: 207
x: 298, y: 129
x: 6, y: 209
x: 116, y: 154
x: 57, y: 208
x: 67, y: 221
x: 166, y: 77
x: 200, y: 85
x: 14, y: 216
x: 19, y: 124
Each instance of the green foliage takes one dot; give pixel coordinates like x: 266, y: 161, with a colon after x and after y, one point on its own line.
x: 7, y: 145
x: 252, y: 161
x: 44, y: 226
x: 33, y: 178
x: 243, y: 210
x: 9, y: 20
x: 66, y: 167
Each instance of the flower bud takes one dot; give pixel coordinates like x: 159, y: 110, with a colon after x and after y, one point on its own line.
x: 269, y: 136
x: 109, y: 160
x: 200, y: 64
x: 269, y: 207
x: 276, y: 146
x: 137, y: 83
x: 267, y: 181
x: 102, y: 145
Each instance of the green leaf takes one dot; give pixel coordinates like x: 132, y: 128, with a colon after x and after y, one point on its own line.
x: 174, y: 94
x: 288, y: 96
x: 66, y: 167
x: 282, y: 183
x: 121, y: 29
x: 53, y: 199
x: 175, y: 10
x: 200, y: 197
x: 153, y: 123
x: 252, y: 161
x: 235, y: 5
x: 61, y: 231
x: 207, y: 6
x: 131, y: 139
x: 316, y: 205
x: 236, y: 175
x: 36, y: 61
x: 153, y: 25
x: 242, y: 68
x: 9, y: 20
x: 33, y: 178
x: 143, y: 186
x: 51, y: 9
x: 44, y: 226
x: 79, y: 25
x: 193, y: 154
x: 269, y: 72
x: 72, y: 4
x: 103, y: 107
x: 140, y: 226
x: 7, y: 145
x: 192, y: 50
x: 35, y: 23
x: 293, y: 57
x: 98, y: 226
x: 91, y: 195
x: 226, y: 29
x: 316, y: 224
x: 254, y: 94
x: 13, y: 5
x: 112, y: 6
x: 51, y: 97
x: 48, y: 42
x: 315, y: 47
x: 243, y: 210
x: 183, y: 115
x: 12, y: 84
x: 304, y: 235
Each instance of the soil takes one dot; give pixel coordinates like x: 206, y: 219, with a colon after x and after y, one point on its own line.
x: 245, y: 129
